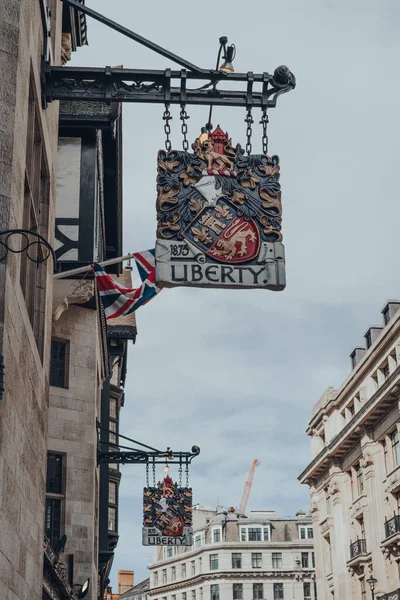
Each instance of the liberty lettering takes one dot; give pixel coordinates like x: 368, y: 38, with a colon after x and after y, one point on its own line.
x: 226, y: 274
x: 256, y: 273
x: 175, y: 278
x: 197, y: 275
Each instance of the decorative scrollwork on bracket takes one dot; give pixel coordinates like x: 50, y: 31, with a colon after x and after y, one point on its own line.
x: 17, y: 241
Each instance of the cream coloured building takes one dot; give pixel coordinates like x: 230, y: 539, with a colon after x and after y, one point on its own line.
x: 354, y: 474
x: 234, y: 557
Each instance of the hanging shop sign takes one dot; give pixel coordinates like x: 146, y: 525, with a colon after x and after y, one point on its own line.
x: 167, y: 515
x: 219, y: 217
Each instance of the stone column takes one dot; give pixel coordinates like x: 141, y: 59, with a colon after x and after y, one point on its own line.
x: 373, y: 519
x: 340, y: 530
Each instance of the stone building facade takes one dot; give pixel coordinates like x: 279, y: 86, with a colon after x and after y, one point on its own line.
x: 30, y: 32
x: 235, y: 557
x: 354, y: 475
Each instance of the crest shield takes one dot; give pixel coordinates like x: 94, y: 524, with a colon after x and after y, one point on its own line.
x: 167, y: 515
x: 219, y: 217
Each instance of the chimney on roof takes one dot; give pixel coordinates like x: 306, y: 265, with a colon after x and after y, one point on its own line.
x: 356, y: 356
x: 372, y: 335
x: 125, y: 580
x: 389, y: 310
x: 300, y: 513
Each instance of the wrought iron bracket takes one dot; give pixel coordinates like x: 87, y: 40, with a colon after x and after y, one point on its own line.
x: 37, y: 250
x: 152, y: 86
x: 153, y: 458
x: 147, y: 86
x: 148, y: 455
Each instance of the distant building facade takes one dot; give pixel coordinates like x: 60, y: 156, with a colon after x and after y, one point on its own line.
x: 354, y: 475
x: 233, y: 557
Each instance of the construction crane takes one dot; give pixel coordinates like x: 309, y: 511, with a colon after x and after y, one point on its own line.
x: 247, y: 488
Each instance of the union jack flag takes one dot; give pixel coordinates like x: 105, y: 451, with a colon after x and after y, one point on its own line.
x: 117, y: 300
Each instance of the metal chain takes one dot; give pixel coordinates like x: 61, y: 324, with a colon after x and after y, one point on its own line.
x: 147, y: 475
x: 167, y: 127
x: 264, y: 122
x: 249, y: 131
x: 183, y: 117
x: 187, y: 473
x: 180, y: 473
x: 154, y: 473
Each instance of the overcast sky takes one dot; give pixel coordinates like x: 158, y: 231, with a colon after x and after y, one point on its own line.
x: 237, y: 372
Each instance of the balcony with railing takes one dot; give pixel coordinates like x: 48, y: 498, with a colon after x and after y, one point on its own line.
x: 392, y: 526
x: 391, y: 543
x: 358, y: 548
x: 358, y: 553
x: 390, y: 596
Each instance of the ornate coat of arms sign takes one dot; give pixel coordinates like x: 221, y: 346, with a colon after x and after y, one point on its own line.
x: 219, y: 217
x: 167, y: 515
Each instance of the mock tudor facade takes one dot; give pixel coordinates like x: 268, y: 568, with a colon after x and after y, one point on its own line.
x: 354, y: 475
x: 235, y: 557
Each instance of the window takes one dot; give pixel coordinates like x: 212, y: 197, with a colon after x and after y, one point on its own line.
x: 200, y: 564
x: 113, y: 436
x: 238, y: 591
x: 315, y: 591
x: 156, y: 578
x: 368, y: 339
x: 112, y: 519
x: 113, y: 408
x: 313, y: 560
x: 307, y: 591
x: 306, y: 533
x: 304, y: 560
x: 278, y: 591
x: 164, y: 575
x: 198, y: 540
x: 360, y: 479
x: 258, y: 591
x: 193, y: 565
x: 173, y: 574
x: 214, y: 591
x: 236, y: 560
x: 55, y: 491
x: 216, y: 535
x: 213, y: 561
x: 254, y: 534
x: 59, y: 363
x: 394, y: 437
x: 35, y: 218
x: 173, y: 597
x: 243, y: 534
x: 193, y: 594
x: 386, y: 315
x: 112, y: 492
x: 277, y: 560
x: 171, y: 551
x: 266, y: 534
x: 184, y: 595
x: 183, y: 571
x: 256, y: 560
x: 363, y: 589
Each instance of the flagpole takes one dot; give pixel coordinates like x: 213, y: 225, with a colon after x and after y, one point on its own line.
x: 105, y: 263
